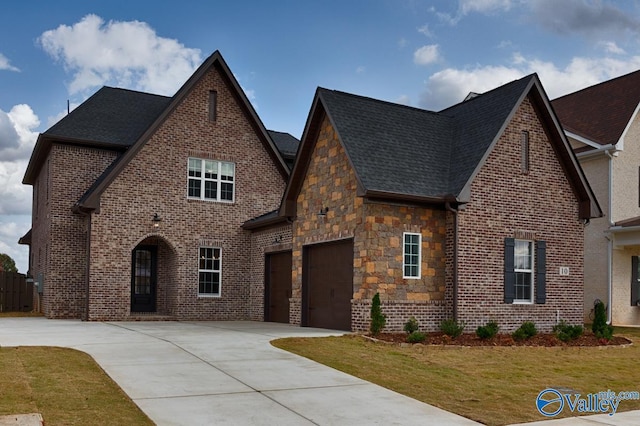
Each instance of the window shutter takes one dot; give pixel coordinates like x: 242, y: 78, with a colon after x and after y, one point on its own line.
x: 509, y: 273
x: 541, y: 272
x: 635, y: 285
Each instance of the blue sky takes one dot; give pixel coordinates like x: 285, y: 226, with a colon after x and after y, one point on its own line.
x: 427, y: 54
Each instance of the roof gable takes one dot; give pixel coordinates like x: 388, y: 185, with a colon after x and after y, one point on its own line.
x: 399, y: 152
x: 91, y: 199
x: 602, y: 112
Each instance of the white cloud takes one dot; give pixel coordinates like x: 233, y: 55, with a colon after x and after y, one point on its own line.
x: 403, y: 100
x: 360, y: 69
x: 451, y: 85
x: 6, y: 65
x: 17, y: 135
x: 125, y: 54
x: 426, y: 55
x: 483, y: 6
x: 425, y: 30
x: 612, y: 47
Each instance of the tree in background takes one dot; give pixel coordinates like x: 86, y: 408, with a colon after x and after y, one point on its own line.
x: 7, y: 263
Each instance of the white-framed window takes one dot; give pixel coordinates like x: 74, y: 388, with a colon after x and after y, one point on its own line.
x: 210, y: 271
x: 523, y: 267
x: 412, y: 255
x: 211, y: 180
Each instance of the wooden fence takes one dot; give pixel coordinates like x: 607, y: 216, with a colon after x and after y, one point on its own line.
x: 16, y: 294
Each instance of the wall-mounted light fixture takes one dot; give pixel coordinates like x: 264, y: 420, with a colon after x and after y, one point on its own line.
x: 323, y: 212
x: 277, y: 239
x: 156, y: 220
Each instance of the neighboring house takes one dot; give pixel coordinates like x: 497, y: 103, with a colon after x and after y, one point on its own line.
x: 475, y: 212
x: 603, y: 127
x: 138, y: 201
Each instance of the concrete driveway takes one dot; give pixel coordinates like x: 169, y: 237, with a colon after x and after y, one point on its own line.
x: 205, y: 373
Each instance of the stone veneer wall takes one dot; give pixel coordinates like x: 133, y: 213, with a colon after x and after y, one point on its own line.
x: 377, y: 230
x: 537, y: 205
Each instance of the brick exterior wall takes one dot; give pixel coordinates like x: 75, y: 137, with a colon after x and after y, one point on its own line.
x: 155, y: 181
x: 59, y: 237
x: 535, y: 205
x: 377, y: 230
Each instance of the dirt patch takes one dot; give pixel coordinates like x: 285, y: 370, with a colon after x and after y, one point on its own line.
x: 470, y: 339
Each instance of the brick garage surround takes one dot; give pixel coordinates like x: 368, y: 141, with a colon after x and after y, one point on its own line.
x: 269, y: 240
x: 377, y: 230
x: 59, y: 237
x: 155, y: 181
x: 506, y: 202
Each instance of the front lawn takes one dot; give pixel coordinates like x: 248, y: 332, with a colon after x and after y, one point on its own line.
x: 64, y: 385
x: 492, y: 385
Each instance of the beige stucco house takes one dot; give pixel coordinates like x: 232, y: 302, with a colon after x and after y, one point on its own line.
x: 603, y: 126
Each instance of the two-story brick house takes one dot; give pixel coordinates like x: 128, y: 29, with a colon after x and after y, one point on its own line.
x: 138, y: 201
x: 603, y: 126
x: 475, y: 212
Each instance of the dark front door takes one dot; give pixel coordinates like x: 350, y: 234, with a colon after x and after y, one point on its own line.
x: 277, y: 287
x: 327, y: 287
x: 143, y: 279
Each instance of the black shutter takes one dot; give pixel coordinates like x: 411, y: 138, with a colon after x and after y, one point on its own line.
x: 541, y: 272
x: 509, y: 273
x: 635, y: 285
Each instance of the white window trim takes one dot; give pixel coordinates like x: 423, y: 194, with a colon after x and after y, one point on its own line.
x: 404, y: 253
x: 531, y: 271
x: 210, y: 295
x: 219, y: 181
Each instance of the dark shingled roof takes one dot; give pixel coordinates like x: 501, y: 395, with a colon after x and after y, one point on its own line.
x: 403, y: 150
x: 601, y: 112
x: 287, y: 144
x: 111, y: 117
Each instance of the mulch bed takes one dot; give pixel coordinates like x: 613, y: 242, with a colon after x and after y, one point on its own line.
x: 470, y: 339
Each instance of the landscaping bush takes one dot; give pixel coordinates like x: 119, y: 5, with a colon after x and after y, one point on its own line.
x: 487, y: 331
x: 525, y: 331
x: 416, y: 337
x: 452, y: 328
x: 378, y: 319
x: 566, y: 332
x: 411, y: 325
x: 600, y: 328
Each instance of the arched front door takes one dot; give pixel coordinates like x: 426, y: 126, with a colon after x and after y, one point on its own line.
x: 144, y: 273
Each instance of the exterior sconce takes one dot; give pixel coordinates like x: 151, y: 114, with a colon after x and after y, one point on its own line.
x: 323, y: 212
x: 156, y: 220
x: 278, y: 239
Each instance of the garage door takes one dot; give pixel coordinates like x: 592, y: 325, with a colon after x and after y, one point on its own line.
x: 277, y: 287
x: 327, y: 287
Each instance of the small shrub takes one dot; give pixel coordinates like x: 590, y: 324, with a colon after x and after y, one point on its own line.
x: 487, y: 331
x: 378, y: 319
x: 416, y: 337
x: 411, y: 325
x: 526, y: 331
x: 600, y: 328
x: 566, y: 332
x: 452, y: 328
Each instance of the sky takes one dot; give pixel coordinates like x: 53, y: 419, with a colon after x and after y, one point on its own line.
x: 427, y: 54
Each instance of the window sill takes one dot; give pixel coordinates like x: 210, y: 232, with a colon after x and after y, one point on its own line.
x: 210, y: 201
x: 522, y: 302
x: 209, y: 296
x: 411, y: 278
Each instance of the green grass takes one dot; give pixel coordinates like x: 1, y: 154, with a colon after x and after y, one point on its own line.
x: 64, y: 385
x: 492, y: 385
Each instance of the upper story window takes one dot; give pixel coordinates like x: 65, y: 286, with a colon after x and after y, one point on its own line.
x: 211, y: 180
x: 412, y: 255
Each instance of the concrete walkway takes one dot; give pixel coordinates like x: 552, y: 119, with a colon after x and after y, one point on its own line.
x: 205, y: 373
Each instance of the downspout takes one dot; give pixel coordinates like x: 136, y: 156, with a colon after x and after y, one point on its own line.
x: 609, y: 240
x: 455, y: 258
